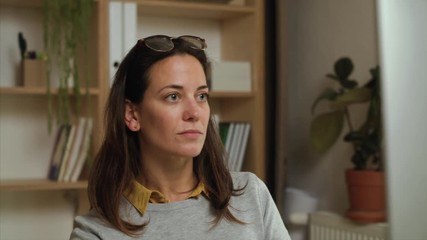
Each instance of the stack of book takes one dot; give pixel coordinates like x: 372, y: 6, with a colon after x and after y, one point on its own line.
x: 71, y: 150
x: 235, y: 137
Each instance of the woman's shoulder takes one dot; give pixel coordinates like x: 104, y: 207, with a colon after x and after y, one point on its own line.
x: 249, y: 182
x: 244, y: 178
x: 87, y: 226
x: 92, y: 226
x: 91, y: 220
x: 251, y: 194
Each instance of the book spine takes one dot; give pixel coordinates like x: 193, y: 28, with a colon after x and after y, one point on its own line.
x: 66, y: 154
x: 84, y: 151
x: 75, y: 149
x: 58, y: 152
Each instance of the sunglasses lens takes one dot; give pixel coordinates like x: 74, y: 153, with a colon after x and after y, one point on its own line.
x: 195, y: 42
x: 163, y: 43
x: 159, y: 43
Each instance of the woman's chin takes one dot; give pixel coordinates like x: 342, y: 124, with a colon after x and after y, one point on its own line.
x: 189, y: 152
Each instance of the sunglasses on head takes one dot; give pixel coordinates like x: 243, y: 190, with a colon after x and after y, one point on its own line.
x: 163, y: 43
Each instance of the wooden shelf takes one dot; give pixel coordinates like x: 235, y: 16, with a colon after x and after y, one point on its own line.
x: 40, y: 184
x: 165, y: 8
x: 215, y: 94
x: 38, y: 91
x: 21, y: 3
x: 192, y: 9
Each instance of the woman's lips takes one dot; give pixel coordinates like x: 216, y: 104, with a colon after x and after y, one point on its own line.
x: 192, y: 133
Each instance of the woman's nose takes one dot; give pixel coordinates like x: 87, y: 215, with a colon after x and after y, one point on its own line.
x: 191, y: 111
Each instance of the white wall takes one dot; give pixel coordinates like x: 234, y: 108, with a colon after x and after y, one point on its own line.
x: 35, y: 215
x: 403, y: 51
x: 319, y: 32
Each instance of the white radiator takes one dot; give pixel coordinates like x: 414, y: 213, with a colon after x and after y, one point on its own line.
x: 328, y: 226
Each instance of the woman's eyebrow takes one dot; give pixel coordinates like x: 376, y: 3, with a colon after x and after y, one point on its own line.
x: 179, y: 87
x: 174, y: 86
x: 203, y: 87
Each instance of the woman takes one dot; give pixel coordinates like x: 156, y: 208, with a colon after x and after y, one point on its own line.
x: 160, y: 172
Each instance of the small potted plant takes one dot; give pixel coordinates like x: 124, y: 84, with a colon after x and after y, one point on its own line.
x: 367, y: 176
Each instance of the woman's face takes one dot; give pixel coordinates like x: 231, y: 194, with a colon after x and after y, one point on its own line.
x: 174, y: 112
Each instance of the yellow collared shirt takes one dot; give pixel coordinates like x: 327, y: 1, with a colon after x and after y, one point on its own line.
x: 141, y: 196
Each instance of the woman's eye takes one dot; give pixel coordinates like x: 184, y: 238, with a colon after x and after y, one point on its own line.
x: 203, y: 97
x: 172, y: 97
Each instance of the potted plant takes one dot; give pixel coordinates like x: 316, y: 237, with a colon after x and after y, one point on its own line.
x: 367, y: 176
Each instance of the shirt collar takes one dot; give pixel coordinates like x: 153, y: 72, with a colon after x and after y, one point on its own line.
x: 141, y: 196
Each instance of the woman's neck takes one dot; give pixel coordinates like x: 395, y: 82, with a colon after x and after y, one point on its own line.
x: 174, y: 177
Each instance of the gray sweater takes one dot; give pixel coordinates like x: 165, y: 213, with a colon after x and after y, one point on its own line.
x: 191, y: 219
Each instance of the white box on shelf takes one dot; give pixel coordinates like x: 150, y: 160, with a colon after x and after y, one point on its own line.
x: 123, y: 18
x: 231, y: 76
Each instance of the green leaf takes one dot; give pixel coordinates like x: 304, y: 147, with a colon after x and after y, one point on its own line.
x: 357, y: 95
x: 327, y: 94
x: 325, y: 130
x: 343, y: 67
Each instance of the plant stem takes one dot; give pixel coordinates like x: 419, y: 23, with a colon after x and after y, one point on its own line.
x: 348, y: 120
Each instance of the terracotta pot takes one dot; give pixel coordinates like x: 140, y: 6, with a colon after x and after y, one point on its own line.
x: 366, y: 191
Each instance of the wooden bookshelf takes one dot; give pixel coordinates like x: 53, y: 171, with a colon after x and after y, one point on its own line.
x: 215, y: 94
x: 242, y: 39
x: 39, y: 91
x: 40, y: 184
x: 14, y: 95
x: 21, y: 3
x: 193, y: 9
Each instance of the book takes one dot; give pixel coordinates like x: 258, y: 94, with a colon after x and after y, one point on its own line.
x: 229, y: 142
x: 237, y: 139
x: 226, y: 132
x: 224, y: 128
x: 74, y: 150
x: 84, y: 151
x: 66, y: 154
x: 58, y: 151
x: 243, y: 146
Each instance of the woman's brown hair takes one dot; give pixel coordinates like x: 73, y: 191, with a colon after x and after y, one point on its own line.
x: 117, y: 163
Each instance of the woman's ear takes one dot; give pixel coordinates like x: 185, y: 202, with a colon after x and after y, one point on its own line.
x: 131, y: 116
